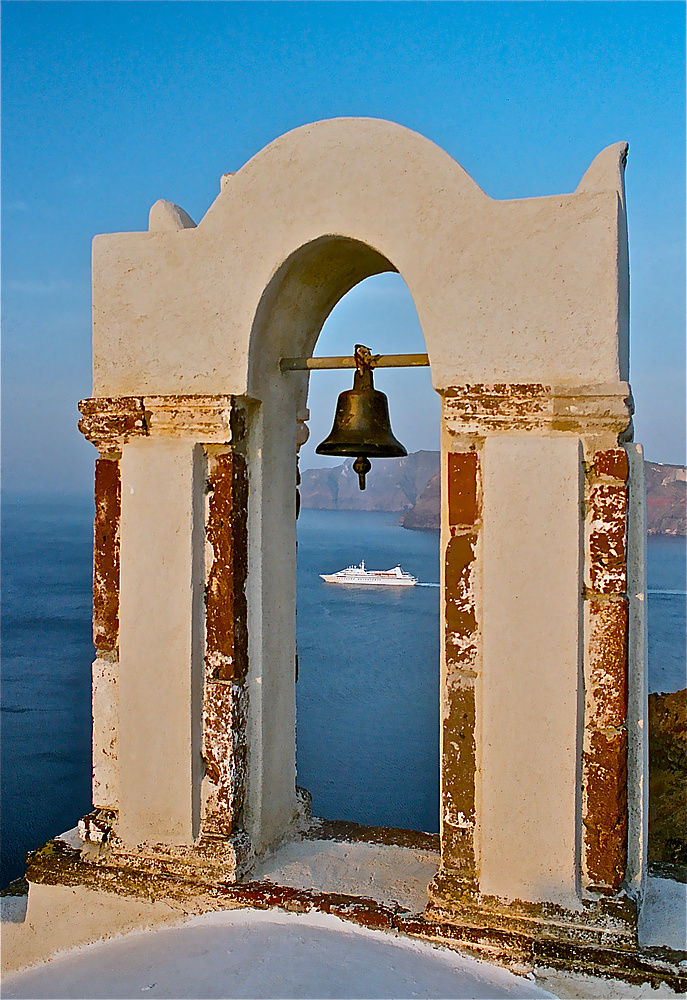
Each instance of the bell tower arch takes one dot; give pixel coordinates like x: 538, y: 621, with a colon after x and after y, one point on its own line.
x: 524, y: 310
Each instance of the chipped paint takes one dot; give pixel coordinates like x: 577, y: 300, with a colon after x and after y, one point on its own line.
x: 606, y: 680
x: 458, y: 759
x: 96, y: 827
x: 607, y: 530
x: 459, y: 584
x: 612, y: 462
x: 209, y: 419
x: 226, y: 641
x: 600, y: 939
x: 109, y: 422
x: 473, y: 411
x: 604, y: 765
x: 105, y: 701
x: 107, y: 494
x: 458, y: 779
x: 224, y: 751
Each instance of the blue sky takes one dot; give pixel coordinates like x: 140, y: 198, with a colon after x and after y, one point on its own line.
x: 108, y: 106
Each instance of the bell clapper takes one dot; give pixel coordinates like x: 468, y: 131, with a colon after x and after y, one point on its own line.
x: 362, y: 466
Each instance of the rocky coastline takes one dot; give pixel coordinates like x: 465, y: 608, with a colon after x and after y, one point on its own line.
x: 411, y: 486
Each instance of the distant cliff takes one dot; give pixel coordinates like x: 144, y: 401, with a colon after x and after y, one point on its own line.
x: 666, y: 493
x: 394, y: 484
x: 411, y: 486
x: 425, y: 515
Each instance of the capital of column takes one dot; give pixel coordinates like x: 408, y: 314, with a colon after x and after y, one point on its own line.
x: 479, y: 410
x: 109, y: 422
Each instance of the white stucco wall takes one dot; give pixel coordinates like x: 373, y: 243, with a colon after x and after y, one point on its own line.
x: 505, y: 291
x: 159, y: 641
x: 528, y: 717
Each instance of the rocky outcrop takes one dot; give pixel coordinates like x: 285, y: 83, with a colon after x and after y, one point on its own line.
x: 394, y: 484
x: 425, y: 515
x: 412, y: 486
x: 668, y: 783
x: 666, y: 493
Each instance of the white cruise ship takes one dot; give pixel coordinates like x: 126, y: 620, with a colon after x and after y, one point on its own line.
x: 360, y: 576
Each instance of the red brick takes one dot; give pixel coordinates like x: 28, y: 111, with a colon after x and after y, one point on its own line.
x: 605, y: 821
x: 612, y: 463
x: 463, y: 504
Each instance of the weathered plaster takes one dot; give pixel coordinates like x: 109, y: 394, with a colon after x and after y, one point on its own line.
x: 226, y: 533
x: 105, y: 670
x: 73, y: 900
x: 606, y: 683
x: 224, y: 756
x: 463, y: 499
x: 459, y: 663
x: 473, y: 411
x: 105, y: 702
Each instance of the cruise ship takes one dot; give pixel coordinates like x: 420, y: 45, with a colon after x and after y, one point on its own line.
x: 360, y: 576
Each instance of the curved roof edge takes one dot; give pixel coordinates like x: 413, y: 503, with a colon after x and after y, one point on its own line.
x: 380, y: 141
x: 606, y: 172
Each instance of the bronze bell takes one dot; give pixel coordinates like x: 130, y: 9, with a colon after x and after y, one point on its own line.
x: 361, y: 423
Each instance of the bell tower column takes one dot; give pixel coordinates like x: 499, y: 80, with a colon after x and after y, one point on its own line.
x: 542, y: 771
x: 170, y: 696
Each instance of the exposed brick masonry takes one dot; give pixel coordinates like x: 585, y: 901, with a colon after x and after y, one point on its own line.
x: 226, y: 644
x: 225, y: 756
x: 226, y: 650
x: 605, y: 750
x: 106, y: 555
x: 458, y: 758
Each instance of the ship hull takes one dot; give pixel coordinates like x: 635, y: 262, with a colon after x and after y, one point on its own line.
x: 366, y: 582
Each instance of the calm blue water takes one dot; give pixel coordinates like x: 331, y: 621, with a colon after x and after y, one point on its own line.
x: 667, y: 583
x: 368, y: 687
x: 45, y: 738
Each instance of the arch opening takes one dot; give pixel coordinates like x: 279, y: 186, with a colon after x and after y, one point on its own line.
x: 301, y: 296
x: 368, y: 689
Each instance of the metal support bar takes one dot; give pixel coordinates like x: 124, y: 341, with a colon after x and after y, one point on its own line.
x: 377, y: 361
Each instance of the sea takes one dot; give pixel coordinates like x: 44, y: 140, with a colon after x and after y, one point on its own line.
x: 367, y: 691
